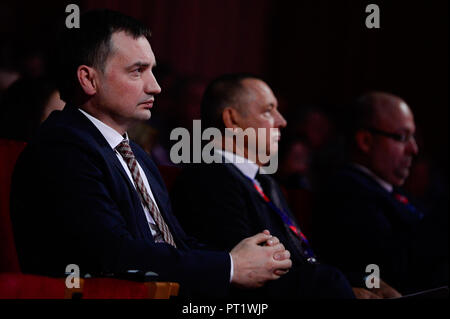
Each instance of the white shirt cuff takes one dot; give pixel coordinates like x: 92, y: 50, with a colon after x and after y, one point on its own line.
x: 231, y: 268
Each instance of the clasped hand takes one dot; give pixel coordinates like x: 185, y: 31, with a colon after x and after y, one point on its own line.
x: 258, y: 259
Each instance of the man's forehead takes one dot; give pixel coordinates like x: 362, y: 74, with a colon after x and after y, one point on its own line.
x: 395, y: 115
x: 255, y: 84
x: 128, y: 47
x: 256, y: 88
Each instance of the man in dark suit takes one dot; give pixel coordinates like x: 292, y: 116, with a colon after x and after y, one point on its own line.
x: 365, y: 218
x: 227, y: 200
x: 84, y: 194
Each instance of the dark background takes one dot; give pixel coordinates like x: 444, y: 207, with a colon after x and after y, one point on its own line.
x: 311, y: 52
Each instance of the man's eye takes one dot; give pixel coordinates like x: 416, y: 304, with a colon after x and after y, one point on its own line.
x: 137, y: 71
x: 267, y: 113
x: 407, y: 137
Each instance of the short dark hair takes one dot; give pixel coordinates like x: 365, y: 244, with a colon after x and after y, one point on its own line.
x: 90, y: 45
x: 223, y: 91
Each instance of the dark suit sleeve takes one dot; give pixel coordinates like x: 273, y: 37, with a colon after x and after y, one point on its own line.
x: 214, y: 203
x: 210, y: 205
x: 64, y: 212
x: 351, y: 232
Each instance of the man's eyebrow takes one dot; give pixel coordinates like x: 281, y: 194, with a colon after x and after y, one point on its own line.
x: 139, y: 65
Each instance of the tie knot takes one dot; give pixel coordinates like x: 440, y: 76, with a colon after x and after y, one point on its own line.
x: 264, y: 179
x: 124, y: 149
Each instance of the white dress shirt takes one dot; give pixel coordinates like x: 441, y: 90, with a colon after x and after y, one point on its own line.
x: 379, y: 180
x: 114, y: 138
x: 244, y: 165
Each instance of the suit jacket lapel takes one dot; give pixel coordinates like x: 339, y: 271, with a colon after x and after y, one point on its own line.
x: 111, y: 157
x: 257, y: 197
x: 142, y: 222
x: 396, y: 210
x: 263, y: 207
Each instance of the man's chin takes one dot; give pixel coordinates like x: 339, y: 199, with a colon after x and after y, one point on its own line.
x: 145, y: 115
x: 273, y: 149
x: 400, y: 180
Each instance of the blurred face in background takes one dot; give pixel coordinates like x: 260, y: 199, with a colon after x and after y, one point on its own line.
x: 391, y: 157
x: 54, y: 103
x: 317, y: 128
x: 298, y: 159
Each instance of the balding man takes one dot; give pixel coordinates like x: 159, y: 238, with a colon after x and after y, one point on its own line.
x: 220, y: 203
x: 364, y: 218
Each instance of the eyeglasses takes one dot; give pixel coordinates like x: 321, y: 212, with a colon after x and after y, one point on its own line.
x: 402, y: 138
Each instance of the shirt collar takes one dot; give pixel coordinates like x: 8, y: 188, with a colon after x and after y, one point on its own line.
x: 247, y: 167
x: 379, y: 180
x: 111, y: 135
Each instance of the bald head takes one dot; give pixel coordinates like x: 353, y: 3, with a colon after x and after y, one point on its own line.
x: 387, y: 110
x: 252, y: 89
x: 226, y: 90
x: 383, y: 135
x: 241, y: 102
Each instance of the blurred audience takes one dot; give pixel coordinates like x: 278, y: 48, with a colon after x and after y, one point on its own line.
x: 147, y: 137
x: 364, y: 216
x: 7, y: 77
x: 295, y: 161
x: 32, y: 64
x: 188, y: 94
x: 313, y: 123
x: 144, y: 135
x: 220, y: 203
x: 25, y: 105
x: 308, y: 149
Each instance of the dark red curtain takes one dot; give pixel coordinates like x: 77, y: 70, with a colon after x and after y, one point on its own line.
x: 203, y: 38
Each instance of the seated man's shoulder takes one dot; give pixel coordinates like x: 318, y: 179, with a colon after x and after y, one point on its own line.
x: 351, y: 182
x: 203, y: 172
x: 58, y: 129
x: 205, y: 185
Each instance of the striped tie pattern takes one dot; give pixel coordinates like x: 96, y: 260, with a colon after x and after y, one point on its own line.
x: 125, y: 150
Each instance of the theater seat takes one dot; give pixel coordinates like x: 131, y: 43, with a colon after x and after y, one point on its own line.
x: 16, y: 285
x: 24, y: 286
x: 9, y: 152
x: 107, y: 288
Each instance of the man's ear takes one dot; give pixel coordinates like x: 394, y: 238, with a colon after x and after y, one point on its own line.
x: 87, y: 76
x: 230, y: 117
x: 364, y: 140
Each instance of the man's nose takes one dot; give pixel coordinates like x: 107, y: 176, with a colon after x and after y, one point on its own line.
x: 412, y: 146
x: 280, y: 121
x: 151, y: 85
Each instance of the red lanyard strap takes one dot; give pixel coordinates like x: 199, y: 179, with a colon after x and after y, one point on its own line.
x: 287, y: 220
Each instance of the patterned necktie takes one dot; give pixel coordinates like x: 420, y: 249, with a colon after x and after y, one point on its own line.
x: 125, y: 150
